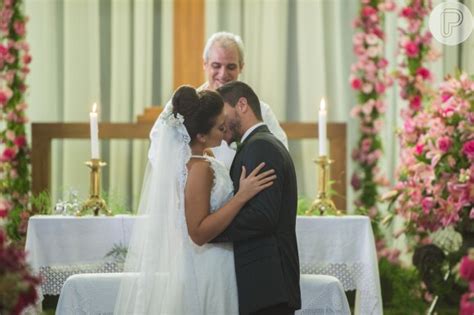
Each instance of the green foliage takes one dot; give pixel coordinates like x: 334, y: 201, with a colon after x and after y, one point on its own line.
x: 401, y: 289
x: 303, y: 205
x: 41, y: 203
x: 116, y: 203
x: 118, y: 253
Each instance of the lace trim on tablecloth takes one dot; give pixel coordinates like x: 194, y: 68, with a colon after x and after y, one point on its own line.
x: 54, y: 277
x: 356, y: 276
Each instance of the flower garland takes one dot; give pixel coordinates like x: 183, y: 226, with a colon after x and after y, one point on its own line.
x: 14, y: 151
x: 414, y: 80
x: 370, y: 79
x: 415, y: 48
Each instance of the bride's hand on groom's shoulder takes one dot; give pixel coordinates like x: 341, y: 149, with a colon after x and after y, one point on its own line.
x: 255, y: 182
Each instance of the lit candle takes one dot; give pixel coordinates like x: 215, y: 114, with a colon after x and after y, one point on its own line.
x: 322, y: 127
x: 94, y: 132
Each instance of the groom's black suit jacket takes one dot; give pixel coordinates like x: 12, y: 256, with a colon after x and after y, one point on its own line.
x: 265, y: 249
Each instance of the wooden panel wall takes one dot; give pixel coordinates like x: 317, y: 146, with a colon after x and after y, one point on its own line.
x: 188, y: 42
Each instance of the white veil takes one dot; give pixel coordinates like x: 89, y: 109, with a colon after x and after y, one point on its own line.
x: 159, y: 274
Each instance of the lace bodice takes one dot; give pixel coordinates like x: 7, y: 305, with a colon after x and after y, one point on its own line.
x: 222, y: 187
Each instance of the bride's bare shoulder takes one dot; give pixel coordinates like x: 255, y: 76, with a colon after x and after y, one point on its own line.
x: 199, y: 170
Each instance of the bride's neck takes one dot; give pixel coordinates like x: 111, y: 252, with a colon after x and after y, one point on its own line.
x: 197, y: 149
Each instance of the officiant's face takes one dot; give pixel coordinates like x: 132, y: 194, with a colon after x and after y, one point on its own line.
x: 222, y: 66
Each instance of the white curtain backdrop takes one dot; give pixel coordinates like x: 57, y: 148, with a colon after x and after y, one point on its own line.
x: 119, y: 53
x: 111, y: 52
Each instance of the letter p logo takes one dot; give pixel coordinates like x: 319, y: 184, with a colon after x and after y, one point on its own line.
x: 450, y: 23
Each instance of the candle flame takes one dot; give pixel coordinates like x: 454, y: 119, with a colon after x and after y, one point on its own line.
x: 94, y: 108
x: 322, y: 105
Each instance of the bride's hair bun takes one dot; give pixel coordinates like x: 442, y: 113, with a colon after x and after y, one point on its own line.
x: 185, y: 100
x: 199, y: 110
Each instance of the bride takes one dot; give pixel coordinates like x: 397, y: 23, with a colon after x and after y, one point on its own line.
x: 187, y: 200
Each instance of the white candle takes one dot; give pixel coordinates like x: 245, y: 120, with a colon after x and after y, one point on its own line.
x: 322, y: 127
x: 94, y: 132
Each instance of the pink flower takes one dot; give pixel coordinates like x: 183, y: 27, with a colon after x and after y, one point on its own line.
x: 468, y: 149
x: 444, y: 143
x: 356, y: 83
x: 382, y: 63
x: 419, y: 148
x: 20, y: 141
x: 415, y: 102
x: 427, y: 204
x: 367, y: 11
x: 411, y: 49
x: 8, y: 155
x: 10, y: 135
x: 424, y: 73
x: 407, y: 12
x: 5, y: 207
x: 27, y: 58
x: 445, y: 96
x: 389, y: 6
x: 3, y: 97
x: 471, y: 214
x: 379, y: 87
x: 356, y: 182
x: 19, y: 27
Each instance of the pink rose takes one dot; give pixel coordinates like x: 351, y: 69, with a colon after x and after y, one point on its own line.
x: 407, y: 12
x: 379, y: 87
x: 8, y: 154
x: 424, y: 73
x: 27, y: 58
x: 415, y: 102
x: 444, y: 143
x: 368, y: 11
x: 468, y: 149
x: 20, y: 141
x: 19, y: 27
x: 3, y: 97
x: 411, y: 49
x: 5, y: 207
x: 356, y: 83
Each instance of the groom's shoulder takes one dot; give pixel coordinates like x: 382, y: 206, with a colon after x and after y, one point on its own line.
x: 264, y: 141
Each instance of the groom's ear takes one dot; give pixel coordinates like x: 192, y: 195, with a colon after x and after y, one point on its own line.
x: 242, y: 105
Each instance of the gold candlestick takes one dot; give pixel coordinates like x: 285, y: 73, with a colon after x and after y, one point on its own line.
x: 95, y: 202
x: 322, y: 203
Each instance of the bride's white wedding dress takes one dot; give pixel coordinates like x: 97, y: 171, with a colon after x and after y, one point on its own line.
x: 214, y: 263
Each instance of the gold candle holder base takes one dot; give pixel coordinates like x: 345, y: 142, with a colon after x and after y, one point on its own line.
x: 95, y: 202
x: 323, y: 204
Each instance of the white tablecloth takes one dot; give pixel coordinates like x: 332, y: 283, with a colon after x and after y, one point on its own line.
x: 60, y: 246
x: 95, y: 294
x: 342, y: 247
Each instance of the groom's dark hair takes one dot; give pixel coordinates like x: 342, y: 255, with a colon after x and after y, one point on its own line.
x: 231, y: 93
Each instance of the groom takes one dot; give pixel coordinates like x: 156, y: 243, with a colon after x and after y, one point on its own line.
x: 263, y: 233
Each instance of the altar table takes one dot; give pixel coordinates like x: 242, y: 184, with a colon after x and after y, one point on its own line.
x: 343, y: 247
